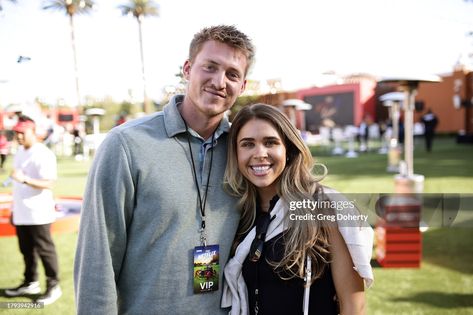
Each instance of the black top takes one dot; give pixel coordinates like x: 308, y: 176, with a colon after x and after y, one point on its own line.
x: 278, y: 296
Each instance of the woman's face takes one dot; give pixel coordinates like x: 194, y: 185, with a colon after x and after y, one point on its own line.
x: 261, y: 155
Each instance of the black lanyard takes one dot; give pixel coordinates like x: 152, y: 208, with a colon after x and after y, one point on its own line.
x: 202, y: 202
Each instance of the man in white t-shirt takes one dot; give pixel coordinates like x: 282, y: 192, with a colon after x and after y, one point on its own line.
x: 34, y: 173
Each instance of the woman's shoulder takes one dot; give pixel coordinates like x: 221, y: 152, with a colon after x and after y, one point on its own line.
x: 328, y: 190
x: 329, y: 193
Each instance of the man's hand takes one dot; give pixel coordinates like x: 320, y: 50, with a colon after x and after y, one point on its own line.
x: 19, y: 176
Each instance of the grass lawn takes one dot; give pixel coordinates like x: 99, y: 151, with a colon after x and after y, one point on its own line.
x: 448, y: 169
x: 443, y: 284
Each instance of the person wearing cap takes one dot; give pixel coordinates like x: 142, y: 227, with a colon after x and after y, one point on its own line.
x: 33, y: 211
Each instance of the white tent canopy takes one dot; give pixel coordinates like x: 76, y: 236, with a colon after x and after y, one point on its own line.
x: 299, y: 104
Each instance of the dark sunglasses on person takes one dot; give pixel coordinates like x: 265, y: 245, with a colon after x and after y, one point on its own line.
x: 257, y: 245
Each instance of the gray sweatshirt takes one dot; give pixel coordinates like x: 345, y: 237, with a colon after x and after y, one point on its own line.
x: 140, y: 219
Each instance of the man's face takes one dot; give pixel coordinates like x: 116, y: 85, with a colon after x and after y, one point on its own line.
x: 216, y: 77
x: 26, y: 138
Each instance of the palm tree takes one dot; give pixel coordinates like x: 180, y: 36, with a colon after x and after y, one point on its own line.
x: 1, y: 7
x: 141, y: 9
x: 71, y: 8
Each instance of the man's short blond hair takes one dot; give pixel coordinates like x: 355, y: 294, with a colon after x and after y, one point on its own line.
x: 227, y: 34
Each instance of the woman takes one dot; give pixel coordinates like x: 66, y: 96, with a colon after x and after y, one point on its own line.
x: 269, y: 167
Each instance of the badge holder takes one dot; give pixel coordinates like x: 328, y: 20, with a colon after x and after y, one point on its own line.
x: 206, y: 266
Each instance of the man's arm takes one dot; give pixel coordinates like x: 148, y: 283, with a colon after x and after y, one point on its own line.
x: 46, y: 168
x: 106, y: 213
x: 33, y: 182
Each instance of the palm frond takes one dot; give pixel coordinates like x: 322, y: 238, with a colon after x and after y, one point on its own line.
x: 140, y: 8
x: 70, y: 7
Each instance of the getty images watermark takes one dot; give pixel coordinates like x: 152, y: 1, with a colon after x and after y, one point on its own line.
x: 345, y: 211
x: 387, y: 209
x: 21, y: 305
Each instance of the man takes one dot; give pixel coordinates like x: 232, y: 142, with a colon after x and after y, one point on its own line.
x: 430, y: 122
x: 35, y: 170
x: 154, y: 199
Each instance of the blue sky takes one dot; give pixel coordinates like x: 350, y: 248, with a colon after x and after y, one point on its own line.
x: 297, y: 41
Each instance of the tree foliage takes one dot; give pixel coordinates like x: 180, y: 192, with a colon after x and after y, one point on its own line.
x: 70, y: 7
x: 139, y: 8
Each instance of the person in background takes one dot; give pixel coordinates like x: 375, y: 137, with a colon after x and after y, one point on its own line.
x: 34, y: 173
x: 122, y: 118
x: 287, y: 261
x: 78, y: 141
x: 154, y: 199
x: 363, y: 133
x: 4, y: 149
x: 430, y: 122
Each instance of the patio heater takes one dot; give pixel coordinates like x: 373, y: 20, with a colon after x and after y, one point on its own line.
x: 399, y: 240
x: 95, y: 114
x: 407, y: 181
x: 393, y: 101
